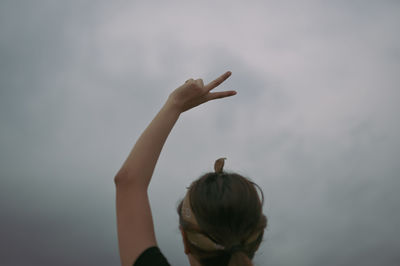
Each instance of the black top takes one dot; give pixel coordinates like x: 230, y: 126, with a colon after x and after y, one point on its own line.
x: 151, y: 256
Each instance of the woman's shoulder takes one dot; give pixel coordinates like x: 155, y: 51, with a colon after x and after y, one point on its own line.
x: 151, y: 256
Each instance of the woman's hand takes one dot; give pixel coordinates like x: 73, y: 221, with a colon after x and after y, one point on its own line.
x: 193, y: 93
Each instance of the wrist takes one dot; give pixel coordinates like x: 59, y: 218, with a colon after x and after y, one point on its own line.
x: 172, y: 106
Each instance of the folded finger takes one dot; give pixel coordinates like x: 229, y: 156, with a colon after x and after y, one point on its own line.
x: 200, y: 83
x: 218, y: 81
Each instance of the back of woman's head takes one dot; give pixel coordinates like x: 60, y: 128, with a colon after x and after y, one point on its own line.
x: 222, y: 218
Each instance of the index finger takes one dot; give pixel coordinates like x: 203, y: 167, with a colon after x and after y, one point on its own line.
x: 218, y: 81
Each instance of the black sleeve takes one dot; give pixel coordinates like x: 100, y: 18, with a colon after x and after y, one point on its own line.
x: 151, y: 256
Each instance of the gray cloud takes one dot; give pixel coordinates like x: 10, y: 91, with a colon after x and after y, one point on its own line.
x: 314, y: 123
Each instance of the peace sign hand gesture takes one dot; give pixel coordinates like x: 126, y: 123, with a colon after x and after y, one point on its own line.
x: 193, y: 93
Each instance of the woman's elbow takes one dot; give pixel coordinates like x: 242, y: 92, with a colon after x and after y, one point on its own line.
x: 121, y: 177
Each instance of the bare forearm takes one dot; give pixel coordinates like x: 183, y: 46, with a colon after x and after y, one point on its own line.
x: 139, y: 166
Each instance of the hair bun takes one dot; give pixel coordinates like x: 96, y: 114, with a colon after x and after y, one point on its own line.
x: 219, y: 165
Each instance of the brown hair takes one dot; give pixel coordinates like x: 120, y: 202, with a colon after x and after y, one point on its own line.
x: 228, y: 210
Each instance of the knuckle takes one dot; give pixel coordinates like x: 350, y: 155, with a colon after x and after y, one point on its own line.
x: 197, y: 87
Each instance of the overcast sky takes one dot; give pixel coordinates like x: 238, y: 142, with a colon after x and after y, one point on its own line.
x: 315, y: 123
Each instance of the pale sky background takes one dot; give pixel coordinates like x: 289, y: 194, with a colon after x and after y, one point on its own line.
x: 315, y: 123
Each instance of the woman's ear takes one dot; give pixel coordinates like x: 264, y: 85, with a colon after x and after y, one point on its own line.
x: 185, y: 242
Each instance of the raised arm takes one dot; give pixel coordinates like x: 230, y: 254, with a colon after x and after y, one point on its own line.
x: 134, y: 219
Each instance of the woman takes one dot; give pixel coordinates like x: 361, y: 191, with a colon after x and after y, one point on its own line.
x: 221, y: 218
